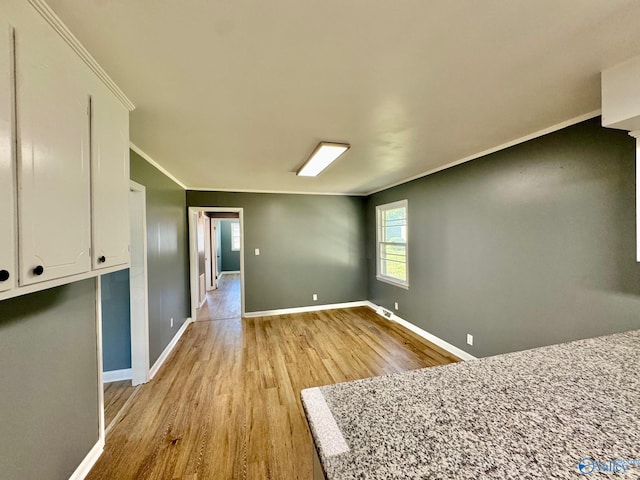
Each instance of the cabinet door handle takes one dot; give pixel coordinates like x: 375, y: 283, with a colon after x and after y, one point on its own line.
x: 4, y: 275
x: 39, y: 270
x: 102, y: 259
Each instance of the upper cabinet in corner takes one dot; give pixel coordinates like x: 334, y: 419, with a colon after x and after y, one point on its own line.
x: 109, y: 179
x: 621, y: 95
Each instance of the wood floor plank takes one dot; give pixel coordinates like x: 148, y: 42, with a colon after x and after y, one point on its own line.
x: 224, y: 302
x: 226, y: 405
x: 116, y: 395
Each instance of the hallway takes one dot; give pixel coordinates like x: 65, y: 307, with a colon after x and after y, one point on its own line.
x: 224, y: 302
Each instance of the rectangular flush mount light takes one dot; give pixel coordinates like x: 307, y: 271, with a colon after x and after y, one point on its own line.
x: 323, y: 156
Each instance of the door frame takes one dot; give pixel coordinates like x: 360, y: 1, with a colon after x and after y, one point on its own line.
x: 138, y: 287
x: 139, y: 318
x: 193, y: 253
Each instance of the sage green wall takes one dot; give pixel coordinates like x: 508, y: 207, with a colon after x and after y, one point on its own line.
x: 167, y: 254
x: 308, y: 244
x: 530, y: 246
x: 230, y: 258
x: 48, y: 382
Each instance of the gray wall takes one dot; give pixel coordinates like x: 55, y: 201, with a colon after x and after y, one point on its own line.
x: 48, y: 382
x: 308, y: 244
x: 530, y: 246
x: 167, y: 254
x: 230, y: 259
x: 116, y: 321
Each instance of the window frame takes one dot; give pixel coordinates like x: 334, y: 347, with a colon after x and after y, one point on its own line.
x: 239, y: 237
x: 380, y: 209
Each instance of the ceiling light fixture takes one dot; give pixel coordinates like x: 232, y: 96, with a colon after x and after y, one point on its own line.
x: 323, y: 156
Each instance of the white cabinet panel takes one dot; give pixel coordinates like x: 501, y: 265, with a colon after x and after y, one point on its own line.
x: 109, y: 180
x: 8, y: 272
x: 621, y: 95
x: 53, y: 157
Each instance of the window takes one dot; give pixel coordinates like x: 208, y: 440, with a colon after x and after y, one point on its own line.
x: 235, y: 236
x: 392, y: 243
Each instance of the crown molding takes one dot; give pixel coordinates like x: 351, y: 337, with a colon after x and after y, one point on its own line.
x: 283, y: 192
x: 526, y: 138
x: 52, y: 19
x: 141, y: 152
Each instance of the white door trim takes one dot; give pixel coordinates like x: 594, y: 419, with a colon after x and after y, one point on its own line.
x: 139, y: 297
x: 98, y: 286
x: 193, y: 253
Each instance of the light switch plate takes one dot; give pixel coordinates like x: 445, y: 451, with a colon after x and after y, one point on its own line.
x: 257, y: 251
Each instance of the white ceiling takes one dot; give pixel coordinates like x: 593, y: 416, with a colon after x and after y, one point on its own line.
x: 235, y: 94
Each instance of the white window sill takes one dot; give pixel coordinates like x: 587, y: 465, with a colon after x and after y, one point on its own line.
x: 391, y: 281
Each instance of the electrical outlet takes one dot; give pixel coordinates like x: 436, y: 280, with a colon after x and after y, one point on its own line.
x: 257, y: 251
x: 395, y: 305
x: 315, y: 297
x: 171, y: 321
x: 469, y: 339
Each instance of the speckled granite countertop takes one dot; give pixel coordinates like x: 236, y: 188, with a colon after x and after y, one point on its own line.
x: 553, y: 412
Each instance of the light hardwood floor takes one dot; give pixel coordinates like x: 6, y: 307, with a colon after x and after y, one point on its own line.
x: 116, y: 395
x: 226, y: 405
x: 224, y: 302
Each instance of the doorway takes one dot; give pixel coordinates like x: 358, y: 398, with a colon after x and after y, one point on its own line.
x: 216, y: 245
x: 123, y: 322
x: 139, y: 295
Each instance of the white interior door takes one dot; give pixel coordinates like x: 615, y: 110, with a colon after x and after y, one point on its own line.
x: 202, y: 291
x: 215, y: 236
x: 138, y: 286
x: 214, y: 263
x: 207, y: 253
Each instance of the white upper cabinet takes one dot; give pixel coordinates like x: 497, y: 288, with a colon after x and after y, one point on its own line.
x: 8, y: 272
x: 109, y: 179
x: 64, y: 156
x: 621, y: 95
x: 52, y: 104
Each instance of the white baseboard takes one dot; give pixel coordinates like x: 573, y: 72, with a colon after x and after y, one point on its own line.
x: 309, y: 308
x: 229, y: 272
x: 202, y: 302
x: 116, y: 375
x: 169, y: 348
x: 423, y: 333
x: 89, y: 461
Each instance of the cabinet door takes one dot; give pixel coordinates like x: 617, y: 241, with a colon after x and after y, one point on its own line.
x: 53, y: 157
x: 109, y: 180
x: 8, y: 272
